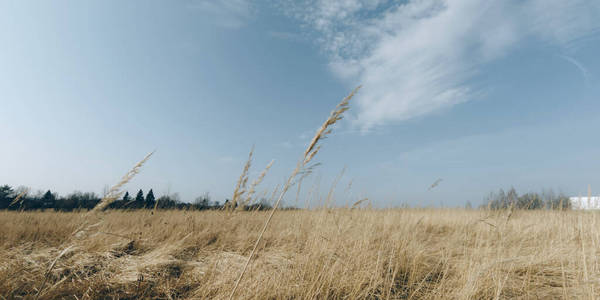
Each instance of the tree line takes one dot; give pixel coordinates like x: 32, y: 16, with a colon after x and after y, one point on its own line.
x: 21, y: 199
x: 547, y: 199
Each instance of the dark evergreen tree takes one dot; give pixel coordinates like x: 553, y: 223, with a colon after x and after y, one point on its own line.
x: 139, y: 200
x: 150, y: 201
x: 6, y: 196
x: 121, y: 203
x: 48, y: 200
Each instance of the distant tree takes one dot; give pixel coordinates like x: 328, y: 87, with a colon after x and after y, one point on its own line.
x: 497, y: 201
x: 512, y: 197
x: 503, y: 200
x: 202, y: 202
x: 79, y: 200
x: 150, y: 201
x: 546, y: 200
x: 24, y: 193
x: 139, y: 199
x: 89, y: 200
x: 262, y: 204
x: 6, y: 196
x: 121, y: 203
x: 530, y: 201
x: 48, y: 200
x: 560, y: 202
x: 468, y: 205
x: 169, y: 201
x: 68, y: 203
x: 165, y: 202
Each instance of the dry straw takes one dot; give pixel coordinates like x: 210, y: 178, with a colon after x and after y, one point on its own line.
x: 18, y: 197
x: 242, y: 196
x: 114, y: 193
x: 255, y: 183
x: 61, y: 254
x: 310, y: 152
x: 358, y: 203
x: 240, y: 188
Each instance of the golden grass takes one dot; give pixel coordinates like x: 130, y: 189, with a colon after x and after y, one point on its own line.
x: 85, y: 226
x: 335, y: 254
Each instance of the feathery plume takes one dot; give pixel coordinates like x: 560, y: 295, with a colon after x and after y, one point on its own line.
x: 19, y: 197
x: 309, y: 154
x: 115, y: 192
x: 255, y: 183
x: 240, y: 188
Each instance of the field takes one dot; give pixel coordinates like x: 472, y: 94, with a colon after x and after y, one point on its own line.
x: 319, y: 254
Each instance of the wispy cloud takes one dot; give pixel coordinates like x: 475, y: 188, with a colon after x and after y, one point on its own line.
x: 418, y: 56
x: 226, y: 13
x: 582, y: 69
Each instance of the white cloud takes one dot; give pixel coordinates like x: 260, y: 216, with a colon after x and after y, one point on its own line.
x: 226, y: 13
x: 418, y: 56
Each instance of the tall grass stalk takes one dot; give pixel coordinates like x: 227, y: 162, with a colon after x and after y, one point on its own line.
x: 114, y: 193
x: 240, y: 187
x: 255, y: 183
x: 310, y: 152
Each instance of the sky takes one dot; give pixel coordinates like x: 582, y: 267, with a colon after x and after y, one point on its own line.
x: 481, y: 94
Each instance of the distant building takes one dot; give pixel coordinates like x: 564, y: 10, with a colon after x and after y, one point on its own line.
x: 585, y: 202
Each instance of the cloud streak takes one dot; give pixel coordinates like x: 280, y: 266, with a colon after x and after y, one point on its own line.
x: 585, y: 74
x: 419, y: 56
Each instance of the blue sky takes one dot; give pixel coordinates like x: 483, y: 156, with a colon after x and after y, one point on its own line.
x: 483, y: 94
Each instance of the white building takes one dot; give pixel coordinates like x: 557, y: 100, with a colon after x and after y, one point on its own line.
x: 585, y: 202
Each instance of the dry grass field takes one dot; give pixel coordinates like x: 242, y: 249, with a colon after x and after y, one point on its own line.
x: 319, y: 254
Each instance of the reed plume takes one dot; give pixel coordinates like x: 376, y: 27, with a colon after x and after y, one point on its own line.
x: 18, y: 197
x: 310, y: 152
x: 115, y: 192
x: 255, y: 183
x: 240, y: 187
